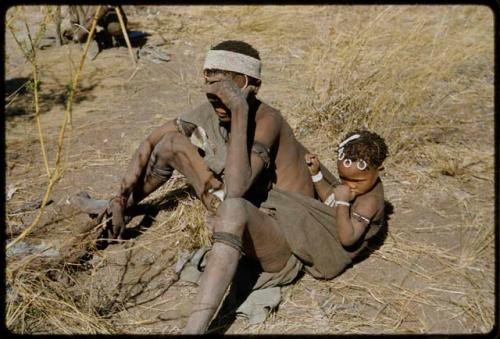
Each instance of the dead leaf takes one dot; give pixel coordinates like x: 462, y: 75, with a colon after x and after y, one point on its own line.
x: 11, y: 189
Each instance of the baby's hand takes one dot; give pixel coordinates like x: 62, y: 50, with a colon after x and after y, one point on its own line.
x: 312, y: 162
x: 343, y: 193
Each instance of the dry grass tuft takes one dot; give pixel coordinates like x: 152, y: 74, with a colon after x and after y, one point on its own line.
x: 42, y: 297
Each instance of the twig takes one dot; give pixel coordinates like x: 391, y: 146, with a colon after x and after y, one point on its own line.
x: 125, y: 34
x: 43, y: 27
x: 67, y: 116
x: 36, y: 98
x: 69, y: 106
x: 57, y: 20
x: 15, y: 92
x: 11, y: 19
x: 80, y: 26
x: 133, y: 73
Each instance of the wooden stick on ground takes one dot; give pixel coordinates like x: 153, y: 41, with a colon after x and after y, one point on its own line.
x: 58, y: 21
x: 125, y: 34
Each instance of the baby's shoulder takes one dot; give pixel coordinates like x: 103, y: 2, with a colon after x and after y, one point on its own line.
x: 375, y: 197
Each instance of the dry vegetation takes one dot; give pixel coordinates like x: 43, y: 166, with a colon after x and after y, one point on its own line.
x: 420, y: 76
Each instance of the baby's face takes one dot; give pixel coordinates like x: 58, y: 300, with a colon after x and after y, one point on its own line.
x: 359, y: 181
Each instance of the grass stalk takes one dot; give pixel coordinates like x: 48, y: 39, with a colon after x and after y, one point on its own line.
x: 55, y: 176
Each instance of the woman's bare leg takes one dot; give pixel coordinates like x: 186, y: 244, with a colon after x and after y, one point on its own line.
x: 266, y: 243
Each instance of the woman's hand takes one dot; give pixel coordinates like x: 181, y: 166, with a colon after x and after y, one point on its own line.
x: 117, y: 211
x: 226, y: 90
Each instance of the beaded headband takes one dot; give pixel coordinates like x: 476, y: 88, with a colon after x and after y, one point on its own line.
x: 361, y: 165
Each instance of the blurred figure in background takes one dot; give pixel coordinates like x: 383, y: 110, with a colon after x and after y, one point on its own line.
x: 74, y: 23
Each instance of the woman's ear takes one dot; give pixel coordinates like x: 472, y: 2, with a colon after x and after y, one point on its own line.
x: 381, y: 170
x: 251, y: 86
x: 257, y: 86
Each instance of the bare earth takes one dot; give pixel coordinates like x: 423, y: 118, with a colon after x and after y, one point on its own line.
x: 434, y: 271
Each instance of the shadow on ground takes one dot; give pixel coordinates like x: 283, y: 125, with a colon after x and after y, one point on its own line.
x: 19, y: 97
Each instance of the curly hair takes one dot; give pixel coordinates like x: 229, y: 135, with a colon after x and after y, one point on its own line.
x: 237, y: 46
x: 369, y: 146
x: 241, y: 47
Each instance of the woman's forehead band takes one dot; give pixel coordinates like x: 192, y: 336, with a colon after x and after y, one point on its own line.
x: 234, y: 62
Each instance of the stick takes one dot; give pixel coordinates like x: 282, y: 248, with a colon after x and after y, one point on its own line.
x: 125, y: 34
x: 36, y: 97
x: 90, y: 36
x: 58, y: 20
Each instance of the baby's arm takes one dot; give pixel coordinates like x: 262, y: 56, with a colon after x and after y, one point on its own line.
x: 322, y: 187
x: 350, y: 229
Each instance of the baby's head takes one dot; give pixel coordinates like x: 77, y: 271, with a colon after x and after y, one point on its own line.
x: 360, y: 158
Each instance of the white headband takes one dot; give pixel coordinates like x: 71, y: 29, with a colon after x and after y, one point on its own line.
x: 361, y: 165
x: 352, y: 137
x: 232, y: 61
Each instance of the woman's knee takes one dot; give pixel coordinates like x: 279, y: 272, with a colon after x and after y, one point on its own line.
x: 165, y: 151
x: 160, y: 160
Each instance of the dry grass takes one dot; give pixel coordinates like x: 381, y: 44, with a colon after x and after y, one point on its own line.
x: 420, y: 76
x: 47, y: 306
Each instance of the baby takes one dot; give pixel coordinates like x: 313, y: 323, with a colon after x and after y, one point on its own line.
x: 359, y: 199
